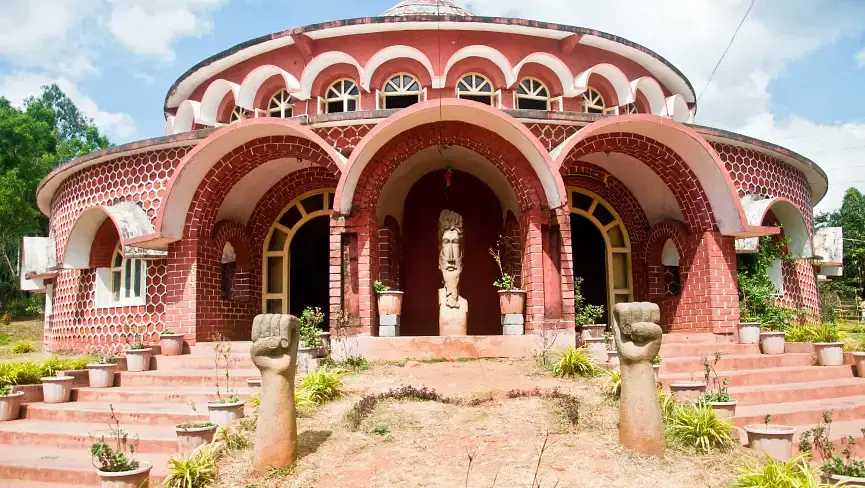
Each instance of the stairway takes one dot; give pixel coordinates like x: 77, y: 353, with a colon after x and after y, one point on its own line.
x: 790, y: 387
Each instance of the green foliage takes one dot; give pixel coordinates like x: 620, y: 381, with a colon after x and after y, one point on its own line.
x: 574, y: 362
x: 818, y: 441
x: 310, y: 320
x: 757, y: 294
x: 507, y: 281
x: 614, y: 383
x: 367, y: 403
x: 698, y: 427
x: 851, y: 216
x: 4, y: 339
x: 585, y: 314
x: 667, y: 404
x: 568, y: 404
x: 381, y: 430
x: 22, y: 347
x: 234, y: 439
x: 168, y: 331
x: 379, y: 287
x: 5, y: 390
x: 322, y: 385
x: 716, y: 389
x: 105, y: 359
x: 31, y: 373
x: 825, y: 332
x: 194, y: 470
x: 355, y: 364
x: 120, y: 457
x: 795, y: 473
x: 657, y: 360
x: 280, y: 473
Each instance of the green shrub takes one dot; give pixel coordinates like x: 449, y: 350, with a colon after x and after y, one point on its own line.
x: 379, y: 287
x: 194, y: 470
x: 310, y: 320
x: 614, y: 383
x: 795, y: 473
x: 234, y: 439
x: 800, y: 333
x: 4, y: 339
x: 22, y: 347
x: 585, y: 314
x: 699, y: 427
x: 574, y: 362
x: 826, y: 332
x: 321, y: 386
x: 31, y: 372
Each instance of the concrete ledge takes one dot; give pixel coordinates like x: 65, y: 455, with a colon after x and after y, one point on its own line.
x: 388, y: 330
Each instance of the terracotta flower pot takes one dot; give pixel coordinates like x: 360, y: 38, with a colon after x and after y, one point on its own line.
x: 190, y: 438
x: 749, y: 332
x: 774, y: 440
x: 848, y: 480
x: 724, y: 410
x: 224, y: 414
x: 101, y: 375
x: 512, y: 302
x: 171, y: 344
x: 688, y: 391
x: 613, y: 357
x: 390, y: 303
x: 127, y: 479
x: 598, y: 349
x: 253, y: 382
x: 829, y: 353
x: 592, y: 331
x: 859, y: 358
x: 772, y: 343
x: 138, y: 360
x: 10, y: 406
x: 57, y: 389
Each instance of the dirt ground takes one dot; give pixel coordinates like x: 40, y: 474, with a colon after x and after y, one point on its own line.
x: 425, y: 444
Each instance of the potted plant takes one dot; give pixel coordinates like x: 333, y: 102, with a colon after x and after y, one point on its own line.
x: 116, y: 465
x: 228, y: 407
x: 512, y: 300
x: 309, y: 350
x: 101, y: 373
x: 827, y: 348
x: 139, y: 353
x: 656, y: 366
x: 192, y: 434
x: 389, y: 309
x: 774, y: 440
x: 838, y: 468
x: 171, y: 342
x: 772, y: 335
x: 688, y: 391
x: 586, y: 315
x: 716, y: 394
x: 10, y: 403
x: 749, y: 332
x: 859, y: 359
x: 57, y: 389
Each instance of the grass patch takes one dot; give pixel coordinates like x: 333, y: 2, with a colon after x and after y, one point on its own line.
x: 32, y: 372
x: 194, y: 470
x: 698, y: 428
x: 22, y: 347
x: 571, y: 362
x: 796, y: 472
x: 569, y: 405
x: 364, y: 407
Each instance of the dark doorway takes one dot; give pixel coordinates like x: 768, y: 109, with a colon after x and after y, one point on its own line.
x: 309, y: 275
x: 590, y: 261
x: 421, y: 279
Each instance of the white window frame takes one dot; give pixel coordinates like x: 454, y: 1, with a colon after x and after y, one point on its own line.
x: 629, y: 109
x: 278, y: 105
x: 474, y: 89
x: 532, y: 92
x: 127, y: 296
x: 344, y: 96
x: 401, y: 90
x: 590, y: 99
x: 238, y: 114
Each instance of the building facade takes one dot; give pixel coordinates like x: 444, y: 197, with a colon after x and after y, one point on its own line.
x: 299, y: 167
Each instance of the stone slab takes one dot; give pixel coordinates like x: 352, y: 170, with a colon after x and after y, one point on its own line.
x: 388, y: 320
x: 513, y: 319
x: 388, y: 330
x: 513, y: 329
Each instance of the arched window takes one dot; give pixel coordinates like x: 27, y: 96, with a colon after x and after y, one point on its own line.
x: 228, y: 270
x: 238, y: 114
x: 532, y: 94
x: 342, y: 96
x: 593, y: 102
x: 280, y: 105
x: 630, y: 108
x: 477, y: 88
x: 124, y: 283
x: 670, y: 261
x: 401, y: 91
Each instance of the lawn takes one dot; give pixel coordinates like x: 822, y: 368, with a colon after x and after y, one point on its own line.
x: 494, y: 441
x: 21, y: 330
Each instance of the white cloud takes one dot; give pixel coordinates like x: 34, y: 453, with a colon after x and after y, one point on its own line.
x: 17, y: 87
x: 860, y: 58
x: 692, y: 34
x: 150, y: 28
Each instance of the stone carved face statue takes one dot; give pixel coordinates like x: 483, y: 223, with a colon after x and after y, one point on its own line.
x: 451, y: 253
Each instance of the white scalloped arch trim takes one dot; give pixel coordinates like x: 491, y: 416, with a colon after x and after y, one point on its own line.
x: 486, y: 52
x: 611, y: 73
x: 557, y: 66
x: 390, y: 53
x: 213, y: 97
x: 651, y: 89
x: 257, y: 77
x: 318, y: 65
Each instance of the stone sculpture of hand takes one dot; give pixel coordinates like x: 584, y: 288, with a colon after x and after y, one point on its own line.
x: 274, y: 353
x: 638, y: 340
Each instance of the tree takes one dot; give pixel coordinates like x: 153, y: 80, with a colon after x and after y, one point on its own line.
x: 851, y: 217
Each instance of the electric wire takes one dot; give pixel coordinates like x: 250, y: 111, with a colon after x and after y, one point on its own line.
x: 726, y: 50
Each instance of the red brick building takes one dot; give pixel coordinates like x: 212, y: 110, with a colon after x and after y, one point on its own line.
x: 299, y: 167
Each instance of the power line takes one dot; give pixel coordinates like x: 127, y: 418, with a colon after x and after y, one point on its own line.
x: 726, y: 50
x: 822, y: 133
x: 835, y: 150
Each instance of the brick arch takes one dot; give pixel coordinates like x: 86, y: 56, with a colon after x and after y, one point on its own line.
x: 230, y: 231
x: 498, y: 151
x: 666, y: 163
x: 660, y: 234
x: 232, y: 167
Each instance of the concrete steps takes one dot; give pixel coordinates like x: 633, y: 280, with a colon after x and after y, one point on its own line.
x: 183, y: 378
x: 792, y: 392
x: 143, y: 394
x: 769, y: 376
x: 690, y: 364
x: 79, y: 435
x: 129, y: 413
x: 802, y: 412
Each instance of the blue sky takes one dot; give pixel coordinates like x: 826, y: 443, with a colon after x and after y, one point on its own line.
x: 794, y: 76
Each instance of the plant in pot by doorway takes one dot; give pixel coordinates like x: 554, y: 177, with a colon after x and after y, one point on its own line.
x: 716, y: 395
x: 842, y: 467
x: 194, y: 433
x: 612, y: 354
x: 170, y: 342
x: 772, y: 439
x: 228, y: 407
x: 101, y: 372
x: 585, y: 315
x: 828, y: 348
x: 773, y: 330
x: 10, y: 403
x: 310, y: 350
x: 116, y: 464
x: 139, y: 352
x: 389, y: 303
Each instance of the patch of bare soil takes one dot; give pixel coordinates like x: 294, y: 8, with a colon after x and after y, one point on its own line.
x: 497, y: 443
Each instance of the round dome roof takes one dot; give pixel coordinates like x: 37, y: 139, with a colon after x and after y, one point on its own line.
x: 426, y: 7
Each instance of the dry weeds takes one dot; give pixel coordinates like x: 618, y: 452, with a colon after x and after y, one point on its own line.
x: 424, y: 444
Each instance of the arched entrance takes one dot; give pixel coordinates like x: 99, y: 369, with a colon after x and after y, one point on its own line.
x: 421, y: 279
x: 296, y: 260
x: 601, y: 250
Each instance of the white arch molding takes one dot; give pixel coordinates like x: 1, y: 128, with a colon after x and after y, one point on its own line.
x: 318, y: 65
x: 213, y: 97
x: 390, y: 53
x: 651, y: 89
x: 486, y: 52
x: 677, y: 108
x: 557, y: 66
x: 188, y: 113
x: 253, y: 81
x: 612, y: 74
x: 130, y: 221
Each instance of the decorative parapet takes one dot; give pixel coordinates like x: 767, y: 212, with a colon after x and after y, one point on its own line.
x: 38, y: 262
x: 829, y: 250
